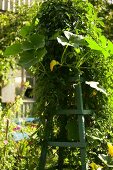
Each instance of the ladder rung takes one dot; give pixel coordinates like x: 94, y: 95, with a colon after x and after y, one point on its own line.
x: 64, y: 166
x: 75, y: 78
x: 67, y: 144
x: 73, y: 111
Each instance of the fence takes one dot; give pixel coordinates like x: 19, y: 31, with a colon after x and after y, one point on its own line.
x: 10, y: 5
x: 27, y: 108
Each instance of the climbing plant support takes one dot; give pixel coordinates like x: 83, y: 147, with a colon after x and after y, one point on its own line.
x: 81, y: 124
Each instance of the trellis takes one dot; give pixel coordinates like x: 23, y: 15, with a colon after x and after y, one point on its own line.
x: 80, y: 112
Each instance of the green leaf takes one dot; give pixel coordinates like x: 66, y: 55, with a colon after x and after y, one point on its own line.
x: 25, y: 31
x: 105, y: 53
x: 68, y: 34
x: 110, y: 47
x: 92, y: 44
x: 40, y: 53
x: 38, y: 40
x: 77, y: 50
x: 27, y: 46
x: 98, y: 47
x: 71, y: 39
x: 95, y: 137
x: 13, y: 49
x: 74, y: 40
x: 106, y: 159
x: 27, y: 58
x: 103, y: 41
x: 62, y: 40
x: 54, y: 36
x: 72, y: 130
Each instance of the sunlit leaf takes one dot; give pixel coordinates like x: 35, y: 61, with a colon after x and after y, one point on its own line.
x: 77, y: 50
x: 93, y: 44
x: 94, y: 166
x: 74, y: 40
x: 62, y: 40
x: 105, y: 53
x: 68, y: 34
x: 95, y: 138
x: 26, y: 23
x: 94, y: 84
x: 106, y: 159
x: 103, y: 41
x: 110, y: 149
x: 25, y: 31
x: 110, y: 47
x: 13, y: 49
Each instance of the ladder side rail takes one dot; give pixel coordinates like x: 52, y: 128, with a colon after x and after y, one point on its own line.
x: 81, y: 122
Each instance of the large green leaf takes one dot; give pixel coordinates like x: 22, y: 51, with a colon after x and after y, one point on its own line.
x: 110, y: 47
x: 104, y: 45
x: 105, y: 53
x: 25, y: 31
x: 75, y: 40
x: 37, y: 40
x: 40, y: 53
x: 62, y: 40
x: 13, y: 49
x: 27, y: 58
x: 93, y: 44
x: 26, y: 45
x: 103, y: 40
x: 69, y: 35
x: 71, y: 39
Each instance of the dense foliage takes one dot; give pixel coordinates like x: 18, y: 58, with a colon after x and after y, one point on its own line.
x: 65, y: 38
x: 104, y: 8
x: 53, y: 88
x: 10, y: 24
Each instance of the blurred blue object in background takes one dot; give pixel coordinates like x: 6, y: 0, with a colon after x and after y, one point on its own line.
x: 17, y: 136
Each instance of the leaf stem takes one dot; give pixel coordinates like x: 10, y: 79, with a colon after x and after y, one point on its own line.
x: 63, y: 54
